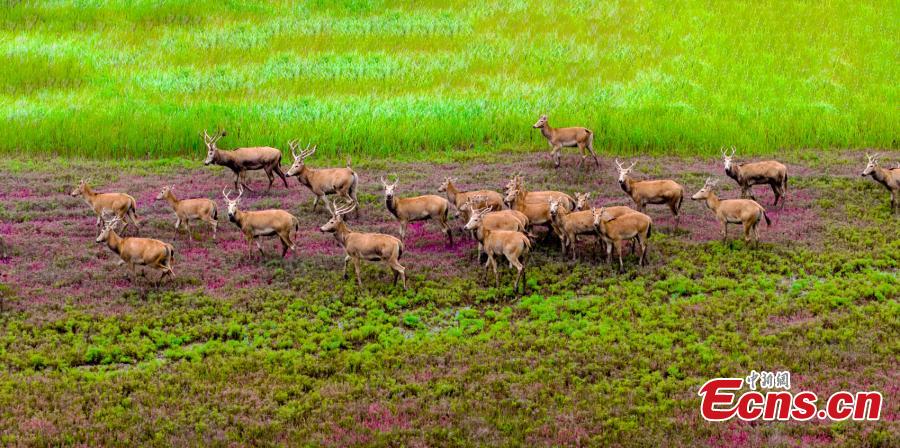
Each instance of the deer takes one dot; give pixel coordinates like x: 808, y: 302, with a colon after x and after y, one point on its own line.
x: 889, y: 177
x: 570, y: 225
x: 538, y: 213
x: 615, y: 230
x: 120, y: 204
x: 513, y: 245
x: 644, y: 192
x: 757, y: 173
x: 456, y: 197
x: 364, y: 246
x: 733, y: 211
x: 323, y: 181
x: 505, y: 219
x: 201, y: 209
x: 242, y: 160
x: 558, y: 138
x: 417, y: 208
x: 137, y: 251
x: 255, y: 224
x: 518, y: 182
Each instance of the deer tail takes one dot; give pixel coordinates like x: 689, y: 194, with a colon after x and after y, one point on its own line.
x: 132, y: 211
x: 215, y: 213
x: 649, y: 230
x: 766, y: 215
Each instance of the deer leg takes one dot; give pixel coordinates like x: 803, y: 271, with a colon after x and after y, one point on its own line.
x: 190, y: 230
x: 519, y: 271
x: 285, y: 244
x: 446, y: 227
x: 619, y: 252
x: 280, y: 173
x: 403, y: 225
x: 724, y: 231
x: 643, y: 242
x: 555, y: 153
x: 243, y: 178
x: 215, y: 226
x: 177, y: 224
x: 496, y: 273
x: 316, y: 201
x: 271, y: 177
x: 346, y: 262
x: 584, y: 154
x: 356, y: 268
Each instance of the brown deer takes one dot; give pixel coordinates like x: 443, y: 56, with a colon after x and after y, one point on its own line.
x: 538, y: 213
x: 137, y: 251
x: 616, y: 230
x: 570, y: 225
x: 889, y: 177
x: 645, y: 192
x: 262, y: 223
x: 506, y: 219
x: 417, y: 208
x: 757, y: 173
x: 558, y: 138
x: 242, y: 160
x: 323, y: 181
x: 518, y: 182
x: 120, y: 204
x: 201, y: 209
x: 734, y: 211
x: 511, y: 244
x: 364, y: 246
x: 490, y: 198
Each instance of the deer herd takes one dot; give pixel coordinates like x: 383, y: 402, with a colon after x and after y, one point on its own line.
x: 502, y: 224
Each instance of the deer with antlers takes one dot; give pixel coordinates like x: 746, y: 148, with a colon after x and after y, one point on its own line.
x: 644, y: 192
x: 733, y: 211
x: 200, y: 209
x: 242, y: 160
x: 615, y: 230
x: 889, y: 177
x: 120, y: 204
x: 558, y: 138
x: 571, y: 224
x: 417, y: 208
x: 747, y: 175
x: 364, y: 246
x: 262, y: 223
x: 489, y: 198
x: 513, y: 245
x: 133, y: 251
x: 323, y: 181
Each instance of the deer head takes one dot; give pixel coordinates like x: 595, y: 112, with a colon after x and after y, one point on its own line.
x: 706, y: 190
x: 581, y: 200
x: 389, y: 188
x: 476, y: 218
x: 623, y: 172
x: 554, y: 206
x: 337, y: 215
x: 232, y: 203
x: 211, y: 145
x: 109, y: 225
x: 727, y: 158
x: 871, y: 165
x: 164, y: 192
x: 541, y: 121
x: 444, y: 186
x: 79, y: 190
x: 299, y: 158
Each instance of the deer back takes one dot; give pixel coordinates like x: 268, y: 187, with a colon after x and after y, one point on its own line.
x: 626, y: 226
x: 492, y: 199
x: 144, y: 250
x: 251, y: 158
x: 195, y: 208
x: 738, y: 210
x: 656, y: 190
x: 759, y: 171
x: 421, y: 207
x: 329, y: 180
x: 266, y: 221
x: 115, y: 202
x: 373, y: 246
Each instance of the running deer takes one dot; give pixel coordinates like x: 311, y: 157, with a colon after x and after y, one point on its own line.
x: 645, y: 192
x: 201, y: 209
x: 133, y: 251
x: 242, y: 160
x: 506, y: 219
x: 323, y: 181
x: 889, y: 177
x: 558, y: 138
x: 417, y: 208
x: 364, y: 246
x: 262, y: 223
x: 757, y: 173
x: 615, y: 230
x: 119, y: 204
x: 570, y: 225
x: 734, y: 211
x: 511, y: 244
x: 490, y: 198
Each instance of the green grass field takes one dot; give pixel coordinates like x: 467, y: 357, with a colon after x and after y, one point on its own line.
x: 414, y: 79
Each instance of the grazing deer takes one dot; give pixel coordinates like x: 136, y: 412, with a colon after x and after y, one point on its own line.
x: 733, y: 211
x: 513, y: 245
x: 262, y: 223
x: 364, y: 246
x: 583, y: 138
x: 645, y: 192
x: 570, y: 225
x: 137, y: 251
x: 120, y: 204
x: 490, y: 198
x: 889, y: 177
x: 615, y: 230
x: 323, y: 181
x: 506, y: 219
x: 242, y: 160
x: 418, y: 208
x: 757, y: 173
x: 187, y: 209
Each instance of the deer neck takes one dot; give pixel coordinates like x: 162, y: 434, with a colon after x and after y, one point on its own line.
x: 547, y: 131
x: 171, y: 199
x: 391, y: 203
x: 303, y: 175
x: 223, y: 158
x: 237, y: 218
x: 734, y: 171
x: 341, y: 233
x: 712, y: 201
x: 89, y: 195
x: 880, y: 174
x: 114, y: 242
x: 627, y: 185
x: 452, y: 192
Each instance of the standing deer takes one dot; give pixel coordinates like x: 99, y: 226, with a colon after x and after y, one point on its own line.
x: 188, y: 209
x: 570, y: 225
x: 511, y: 244
x: 120, y: 204
x: 733, y: 211
x: 558, y: 138
x: 490, y: 198
x: 538, y: 213
x: 137, y: 251
x: 242, y: 160
x: 757, y: 173
x: 323, y: 181
x: 615, y: 230
x: 418, y: 208
x: 262, y: 223
x: 364, y: 246
x: 506, y: 219
x: 518, y: 183
x: 889, y: 177
x: 646, y: 192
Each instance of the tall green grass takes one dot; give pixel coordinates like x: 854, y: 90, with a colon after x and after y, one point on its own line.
x: 137, y: 78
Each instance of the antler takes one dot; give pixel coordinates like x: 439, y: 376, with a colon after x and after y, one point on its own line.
x: 227, y: 195
x: 293, y: 145
x: 383, y: 182
x: 308, y: 152
x: 733, y: 150
x: 345, y: 208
